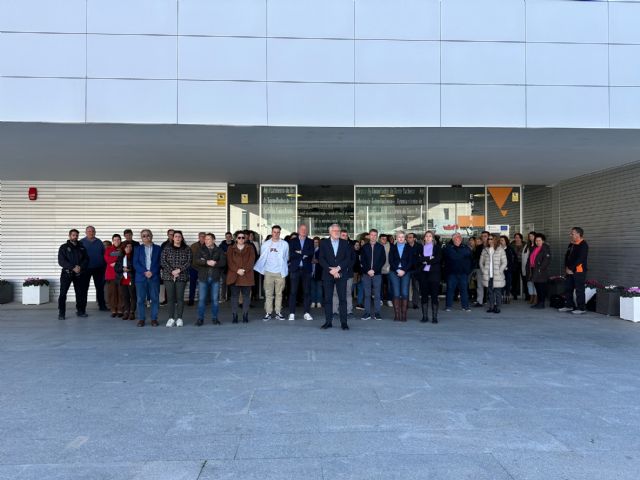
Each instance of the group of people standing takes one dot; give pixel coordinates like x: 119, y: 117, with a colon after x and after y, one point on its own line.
x: 330, y: 268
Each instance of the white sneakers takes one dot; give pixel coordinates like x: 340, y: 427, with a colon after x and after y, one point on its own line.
x: 307, y: 316
x: 565, y: 309
x: 292, y: 317
x: 389, y: 303
x: 174, y: 323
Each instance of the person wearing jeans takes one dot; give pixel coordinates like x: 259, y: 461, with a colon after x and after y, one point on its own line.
x: 193, y: 271
x: 146, y: 264
x: 401, y: 264
x: 372, y: 259
x: 209, y: 263
x: 273, y: 265
x: 575, y: 267
x: 458, y: 266
x: 176, y: 261
x: 97, y: 266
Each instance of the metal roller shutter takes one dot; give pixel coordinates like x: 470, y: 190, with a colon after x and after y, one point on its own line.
x: 32, y: 231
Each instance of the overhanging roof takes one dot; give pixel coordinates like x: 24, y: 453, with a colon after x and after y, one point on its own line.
x: 304, y: 155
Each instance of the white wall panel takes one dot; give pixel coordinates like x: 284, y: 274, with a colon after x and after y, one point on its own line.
x: 567, y: 64
x: 222, y: 17
x: 483, y: 106
x: 68, y: 16
x: 131, y: 56
x: 400, y: 19
x: 397, y: 106
x: 624, y: 22
x: 132, y: 16
x: 566, y: 21
x: 625, y: 107
x: 222, y: 58
x: 483, y: 20
x: 483, y: 62
x: 312, y: 104
x: 42, y: 55
x: 397, y: 61
x: 222, y: 103
x: 42, y: 100
x: 33, y: 231
x: 131, y: 101
x: 624, y: 65
x: 310, y: 60
x: 567, y: 107
x: 310, y: 18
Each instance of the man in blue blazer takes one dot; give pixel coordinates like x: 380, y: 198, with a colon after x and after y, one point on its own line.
x: 335, y: 259
x: 146, y: 262
x: 300, y: 256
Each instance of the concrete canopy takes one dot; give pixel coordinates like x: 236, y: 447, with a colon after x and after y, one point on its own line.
x: 305, y: 155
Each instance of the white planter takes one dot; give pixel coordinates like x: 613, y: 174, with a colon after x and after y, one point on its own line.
x: 35, y: 295
x: 630, y: 308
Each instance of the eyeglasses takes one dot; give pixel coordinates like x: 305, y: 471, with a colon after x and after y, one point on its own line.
x: 145, y: 236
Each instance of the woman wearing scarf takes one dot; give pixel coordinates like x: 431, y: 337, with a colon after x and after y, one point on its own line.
x: 429, y: 267
x: 538, y: 268
x: 125, y: 276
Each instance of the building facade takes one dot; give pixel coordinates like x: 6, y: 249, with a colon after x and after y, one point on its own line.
x: 452, y: 115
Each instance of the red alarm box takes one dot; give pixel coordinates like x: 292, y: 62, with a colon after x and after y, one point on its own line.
x: 33, y: 193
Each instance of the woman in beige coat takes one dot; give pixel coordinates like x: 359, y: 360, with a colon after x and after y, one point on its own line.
x: 493, y: 263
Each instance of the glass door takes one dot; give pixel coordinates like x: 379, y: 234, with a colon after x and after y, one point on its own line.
x: 278, y: 206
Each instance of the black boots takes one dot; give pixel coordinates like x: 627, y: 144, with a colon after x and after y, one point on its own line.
x: 434, y: 312
x: 235, y: 318
x: 425, y: 313
x: 245, y: 318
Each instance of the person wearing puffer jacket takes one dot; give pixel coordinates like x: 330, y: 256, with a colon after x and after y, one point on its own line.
x: 493, y: 263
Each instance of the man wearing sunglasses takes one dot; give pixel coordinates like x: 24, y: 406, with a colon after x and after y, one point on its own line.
x: 146, y: 262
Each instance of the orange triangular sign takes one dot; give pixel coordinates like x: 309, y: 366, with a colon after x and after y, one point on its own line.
x: 500, y: 195
x: 504, y: 212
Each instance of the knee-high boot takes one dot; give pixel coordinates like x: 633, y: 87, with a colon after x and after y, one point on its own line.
x: 434, y: 312
x: 425, y: 312
x: 404, y: 306
x: 396, y: 309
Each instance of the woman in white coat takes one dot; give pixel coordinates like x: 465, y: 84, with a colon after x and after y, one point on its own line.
x: 493, y: 263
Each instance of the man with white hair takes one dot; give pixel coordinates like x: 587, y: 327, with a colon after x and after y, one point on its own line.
x: 335, y: 258
x: 457, y: 259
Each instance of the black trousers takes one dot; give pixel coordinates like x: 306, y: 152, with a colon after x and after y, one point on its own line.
x: 571, y: 283
x: 541, y: 291
x: 300, y: 277
x: 235, y: 298
x: 340, y: 284
x: 80, y: 287
x: 98, y: 281
x: 429, y: 288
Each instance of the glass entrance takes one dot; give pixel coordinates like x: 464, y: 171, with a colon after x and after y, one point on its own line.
x: 320, y: 206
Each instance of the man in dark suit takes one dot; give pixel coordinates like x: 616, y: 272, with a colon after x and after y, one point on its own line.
x: 300, y: 256
x: 335, y: 259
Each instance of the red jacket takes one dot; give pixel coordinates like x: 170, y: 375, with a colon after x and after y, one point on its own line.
x: 110, y: 273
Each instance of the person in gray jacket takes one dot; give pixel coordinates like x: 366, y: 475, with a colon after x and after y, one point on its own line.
x: 210, y: 262
x: 493, y: 263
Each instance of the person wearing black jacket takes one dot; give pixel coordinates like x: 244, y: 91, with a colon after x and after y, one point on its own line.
x: 429, y: 261
x: 457, y: 259
x: 538, y: 268
x: 210, y: 262
x: 372, y: 259
x: 335, y: 258
x: 575, y: 267
x: 401, y: 265
x: 74, y: 260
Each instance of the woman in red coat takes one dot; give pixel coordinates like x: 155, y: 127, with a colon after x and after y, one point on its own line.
x: 111, y: 255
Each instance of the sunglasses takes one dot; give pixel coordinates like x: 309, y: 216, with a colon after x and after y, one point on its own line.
x: 240, y: 238
x: 146, y: 236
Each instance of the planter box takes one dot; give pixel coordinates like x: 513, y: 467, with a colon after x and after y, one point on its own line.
x: 35, y: 295
x: 6, y: 293
x: 608, y: 302
x: 630, y: 308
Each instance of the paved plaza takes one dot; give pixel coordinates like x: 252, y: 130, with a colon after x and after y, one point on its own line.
x: 526, y: 394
